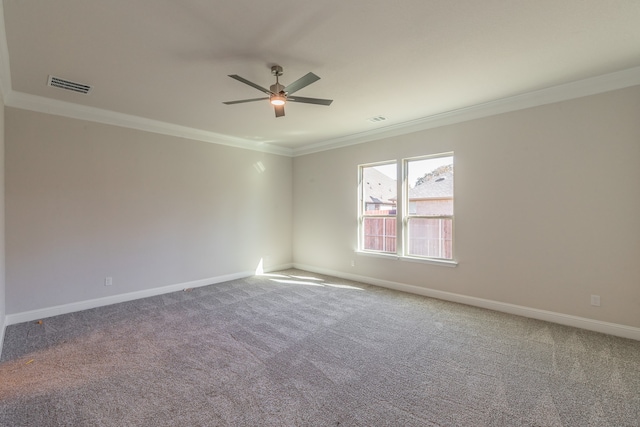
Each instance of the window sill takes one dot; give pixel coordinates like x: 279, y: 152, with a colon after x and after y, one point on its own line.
x: 434, y: 261
x: 395, y: 257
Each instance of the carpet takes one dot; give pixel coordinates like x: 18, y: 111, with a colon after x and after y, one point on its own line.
x: 294, y: 348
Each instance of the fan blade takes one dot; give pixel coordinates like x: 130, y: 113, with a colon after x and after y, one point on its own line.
x: 245, y: 100
x: 316, y: 101
x: 247, y: 82
x: 279, y: 110
x: 303, y: 81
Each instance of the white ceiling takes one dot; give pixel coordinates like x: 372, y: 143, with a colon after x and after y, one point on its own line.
x: 167, y: 61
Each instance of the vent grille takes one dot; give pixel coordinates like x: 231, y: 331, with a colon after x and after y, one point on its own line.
x: 377, y: 119
x: 68, y: 85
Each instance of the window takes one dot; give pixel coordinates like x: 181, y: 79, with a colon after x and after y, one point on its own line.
x: 429, y: 218
x: 425, y: 206
x: 378, y: 207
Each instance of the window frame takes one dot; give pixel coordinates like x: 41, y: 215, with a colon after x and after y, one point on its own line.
x: 403, y: 214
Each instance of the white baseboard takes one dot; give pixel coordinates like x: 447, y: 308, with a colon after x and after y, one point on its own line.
x: 549, y: 316
x: 27, y: 316
x: 534, y: 313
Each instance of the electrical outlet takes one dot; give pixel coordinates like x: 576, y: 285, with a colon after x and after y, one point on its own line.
x: 595, y: 300
x: 353, y: 263
x: 108, y: 281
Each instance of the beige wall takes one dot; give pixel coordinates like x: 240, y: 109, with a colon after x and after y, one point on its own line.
x: 86, y: 201
x: 547, y: 208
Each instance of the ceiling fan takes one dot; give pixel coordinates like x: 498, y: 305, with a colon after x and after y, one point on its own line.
x: 279, y: 94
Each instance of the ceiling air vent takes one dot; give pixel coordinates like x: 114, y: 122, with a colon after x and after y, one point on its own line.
x: 68, y: 85
x: 377, y: 119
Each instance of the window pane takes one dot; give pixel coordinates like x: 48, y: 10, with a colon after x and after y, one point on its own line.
x: 380, y: 234
x: 431, y: 186
x: 379, y: 189
x: 431, y: 237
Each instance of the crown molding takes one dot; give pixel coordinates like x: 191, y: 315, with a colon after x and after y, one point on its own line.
x: 590, y: 86
x: 92, y: 114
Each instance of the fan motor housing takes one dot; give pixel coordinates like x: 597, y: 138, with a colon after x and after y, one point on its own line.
x: 277, y: 88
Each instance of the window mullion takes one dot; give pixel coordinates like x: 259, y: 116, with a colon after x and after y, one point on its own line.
x: 400, y: 208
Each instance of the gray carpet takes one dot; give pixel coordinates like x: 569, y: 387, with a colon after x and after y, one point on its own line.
x: 300, y: 349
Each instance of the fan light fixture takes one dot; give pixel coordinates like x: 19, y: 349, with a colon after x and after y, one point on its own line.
x: 277, y: 100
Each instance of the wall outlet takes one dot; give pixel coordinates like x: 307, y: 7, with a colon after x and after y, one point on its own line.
x: 353, y: 263
x: 108, y: 281
x: 595, y: 300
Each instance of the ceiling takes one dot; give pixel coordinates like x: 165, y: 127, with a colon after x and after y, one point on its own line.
x: 166, y: 62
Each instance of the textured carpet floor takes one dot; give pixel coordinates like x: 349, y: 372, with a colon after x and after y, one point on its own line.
x: 300, y: 349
